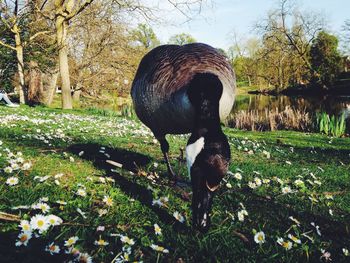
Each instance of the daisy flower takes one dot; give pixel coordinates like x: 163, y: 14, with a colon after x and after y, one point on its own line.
x: 259, y: 237
x: 54, y: 220
x: 25, y: 225
x: 108, y: 200
x: 101, y: 242
x: 42, y: 206
x: 287, y: 245
x: 159, y: 248
x: 81, y: 192
x: 39, y: 222
x: 127, y: 240
x: 12, y: 181
x: 241, y: 214
x: 23, y: 238
x: 257, y: 181
x: 286, y: 190
x: 26, y: 166
x: 157, y: 229
x: 345, y: 252
x: 52, y: 249
x: 294, y: 238
x: 178, y: 217
x: 71, y: 241
x: 238, y: 176
x: 252, y: 185
x: 8, y: 170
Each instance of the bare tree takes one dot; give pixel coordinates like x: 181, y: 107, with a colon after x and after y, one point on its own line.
x: 293, y: 30
x: 61, y: 12
x: 13, y: 15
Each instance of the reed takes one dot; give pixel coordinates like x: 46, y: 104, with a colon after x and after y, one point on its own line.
x: 271, y: 120
x: 331, y: 125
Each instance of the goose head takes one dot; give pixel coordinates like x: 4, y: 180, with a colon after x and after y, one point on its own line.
x: 205, y: 181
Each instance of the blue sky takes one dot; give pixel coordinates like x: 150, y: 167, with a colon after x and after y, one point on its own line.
x: 215, y: 24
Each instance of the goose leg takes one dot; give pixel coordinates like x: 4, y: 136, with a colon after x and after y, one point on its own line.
x: 164, y: 145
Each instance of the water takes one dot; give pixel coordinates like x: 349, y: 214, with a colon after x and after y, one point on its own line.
x: 330, y: 105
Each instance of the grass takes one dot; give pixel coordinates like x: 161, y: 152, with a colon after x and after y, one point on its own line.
x: 75, y: 146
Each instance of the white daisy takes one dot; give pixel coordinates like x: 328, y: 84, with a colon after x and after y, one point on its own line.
x: 71, y: 241
x: 42, y: 206
x: 294, y: 238
x: 25, y: 225
x: 12, y: 181
x: 287, y: 245
x: 238, y: 176
x: 178, y: 217
x: 23, y: 238
x: 286, y: 190
x: 159, y: 248
x: 101, y: 242
x: 54, y: 220
x: 157, y: 229
x: 52, y: 249
x: 108, y: 200
x: 127, y: 240
x: 259, y: 237
x: 39, y: 222
x: 81, y: 192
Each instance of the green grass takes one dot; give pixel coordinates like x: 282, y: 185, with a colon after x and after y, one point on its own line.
x: 52, y: 139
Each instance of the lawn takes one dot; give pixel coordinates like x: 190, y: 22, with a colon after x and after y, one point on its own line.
x: 285, y: 199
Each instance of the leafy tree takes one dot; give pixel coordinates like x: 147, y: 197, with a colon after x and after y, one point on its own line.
x: 145, y: 36
x: 325, y: 58
x: 181, y: 39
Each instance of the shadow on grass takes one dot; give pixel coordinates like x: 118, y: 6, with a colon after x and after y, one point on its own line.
x: 33, y: 253
x: 131, y: 161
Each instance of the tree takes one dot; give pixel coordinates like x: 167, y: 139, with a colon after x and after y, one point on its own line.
x: 181, y: 39
x: 103, y: 55
x: 292, y: 31
x: 61, y: 12
x: 243, y: 56
x: 15, y: 17
x: 325, y: 58
x: 145, y: 36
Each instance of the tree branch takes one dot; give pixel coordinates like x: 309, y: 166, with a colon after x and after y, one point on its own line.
x: 38, y: 34
x: 79, y: 10
x: 7, y: 45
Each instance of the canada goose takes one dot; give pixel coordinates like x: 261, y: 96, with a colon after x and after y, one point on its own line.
x: 183, y: 89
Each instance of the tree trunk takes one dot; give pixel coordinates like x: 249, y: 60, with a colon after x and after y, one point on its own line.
x: 20, y: 67
x: 77, y: 92
x: 35, y: 85
x: 50, y: 87
x: 61, y: 32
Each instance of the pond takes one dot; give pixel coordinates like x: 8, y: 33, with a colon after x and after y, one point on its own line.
x: 328, y: 104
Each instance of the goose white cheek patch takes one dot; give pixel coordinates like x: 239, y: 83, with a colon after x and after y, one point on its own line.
x: 192, y: 150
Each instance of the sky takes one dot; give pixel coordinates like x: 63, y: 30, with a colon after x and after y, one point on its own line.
x: 216, y: 22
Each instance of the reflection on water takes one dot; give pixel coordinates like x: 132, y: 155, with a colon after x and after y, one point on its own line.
x: 331, y: 105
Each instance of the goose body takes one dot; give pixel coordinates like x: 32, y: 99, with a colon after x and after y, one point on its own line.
x: 183, y: 89
x: 159, y: 90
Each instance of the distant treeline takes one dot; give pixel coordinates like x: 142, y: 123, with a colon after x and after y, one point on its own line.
x: 89, y: 47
